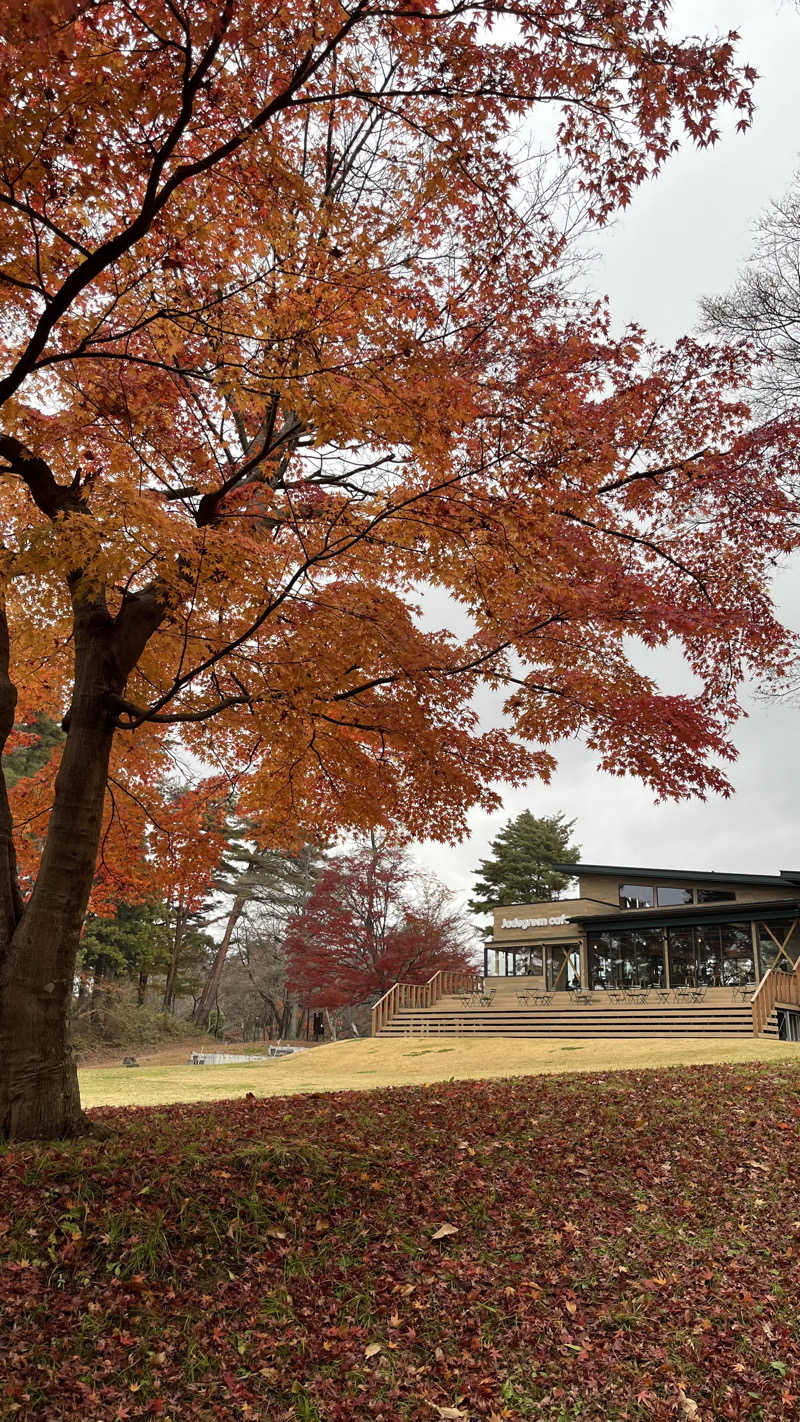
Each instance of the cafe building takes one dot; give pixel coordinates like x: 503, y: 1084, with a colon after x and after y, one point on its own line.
x: 635, y: 927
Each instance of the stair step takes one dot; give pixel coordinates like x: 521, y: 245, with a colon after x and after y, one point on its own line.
x: 670, y: 1019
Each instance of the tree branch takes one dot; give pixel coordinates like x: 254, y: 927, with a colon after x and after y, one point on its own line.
x: 49, y: 496
x: 137, y: 715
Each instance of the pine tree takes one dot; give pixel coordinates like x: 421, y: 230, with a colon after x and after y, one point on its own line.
x: 519, y: 870
x: 277, y: 882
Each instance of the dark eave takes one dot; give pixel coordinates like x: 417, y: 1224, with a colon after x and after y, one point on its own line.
x: 734, y: 912
x: 636, y: 874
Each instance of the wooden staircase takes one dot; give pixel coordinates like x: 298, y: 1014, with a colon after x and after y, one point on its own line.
x: 719, y: 1015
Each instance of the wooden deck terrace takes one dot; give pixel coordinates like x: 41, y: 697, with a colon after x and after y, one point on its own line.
x: 514, y: 1008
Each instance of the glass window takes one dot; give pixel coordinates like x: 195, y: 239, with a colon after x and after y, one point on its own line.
x: 682, y: 964
x: 715, y: 896
x: 630, y: 958
x: 770, y: 938
x: 636, y: 896
x: 530, y: 961
x: 649, y: 956
x: 709, y: 955
x: 623, y: 959
x: 563, y: 966
x: 738, y: 966
x: 668, y: 895
x: 601, y: 974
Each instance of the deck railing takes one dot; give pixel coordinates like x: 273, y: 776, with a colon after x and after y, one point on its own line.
x: 419, y: 995
x: 775, y: 986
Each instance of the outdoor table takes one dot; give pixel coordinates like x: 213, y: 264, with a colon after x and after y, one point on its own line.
x: 636, y: 995
x: 523, y: 999
x: 581, y: 998
x: 663, y: 994
x: 542, y: 999
x: 485, y: 999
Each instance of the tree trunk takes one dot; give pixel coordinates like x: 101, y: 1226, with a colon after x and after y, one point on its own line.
x: 211, y: 987
x: 141, y: 989
x: 38, y: 1079
x: 39, y: 944
x: 172, y: 972
x: 94, y: 1000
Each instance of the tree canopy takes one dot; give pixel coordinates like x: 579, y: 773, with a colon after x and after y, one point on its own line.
x: 519, y: 869
x: 284, y: 339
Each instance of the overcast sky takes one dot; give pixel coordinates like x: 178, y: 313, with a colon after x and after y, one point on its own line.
x: 685, y: 236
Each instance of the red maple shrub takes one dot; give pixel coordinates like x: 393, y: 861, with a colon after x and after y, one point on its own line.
x: 370, y: 922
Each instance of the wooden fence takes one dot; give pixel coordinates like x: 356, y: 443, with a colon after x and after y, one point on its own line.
x: 419, y: 995
x: 776, y: 986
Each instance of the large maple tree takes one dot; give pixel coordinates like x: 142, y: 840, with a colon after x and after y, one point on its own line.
x: 284, y: 341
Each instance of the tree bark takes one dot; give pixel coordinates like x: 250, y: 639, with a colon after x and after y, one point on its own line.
x: 38, y: 1079
x: 177, y: 943
x: 209, y: 994
x: 10, y: 896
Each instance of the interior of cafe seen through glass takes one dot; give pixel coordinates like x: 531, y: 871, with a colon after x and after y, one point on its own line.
x: 693, y: 955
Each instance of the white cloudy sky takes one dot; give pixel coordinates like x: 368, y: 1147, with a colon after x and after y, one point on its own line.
x: 683, y: 237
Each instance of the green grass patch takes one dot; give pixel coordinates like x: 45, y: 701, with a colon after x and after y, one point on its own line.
x: 402, y: 1061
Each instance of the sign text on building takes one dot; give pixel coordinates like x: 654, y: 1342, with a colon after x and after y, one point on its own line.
x: 533, y: 922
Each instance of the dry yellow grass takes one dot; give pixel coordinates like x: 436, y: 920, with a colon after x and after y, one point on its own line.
x: 407, y: 1061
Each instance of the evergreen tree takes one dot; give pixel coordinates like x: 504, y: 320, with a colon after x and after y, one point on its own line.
x: 277, y: 883
x: 42, y: 737
x: 520, y: 868
x: 132, y: 944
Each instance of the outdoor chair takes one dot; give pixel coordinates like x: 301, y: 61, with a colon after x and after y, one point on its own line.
x: 637, y: 995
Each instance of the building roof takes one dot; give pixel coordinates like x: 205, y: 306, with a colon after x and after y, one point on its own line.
x: 787, y: 878
x: 732, y: 911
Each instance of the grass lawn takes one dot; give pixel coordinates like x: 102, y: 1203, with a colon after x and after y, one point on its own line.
x: 408, y: 1060
x: 602, y: 1246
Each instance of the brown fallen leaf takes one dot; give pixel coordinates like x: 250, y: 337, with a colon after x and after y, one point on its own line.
x: 442, y: 1233
x: 371, y: 1349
